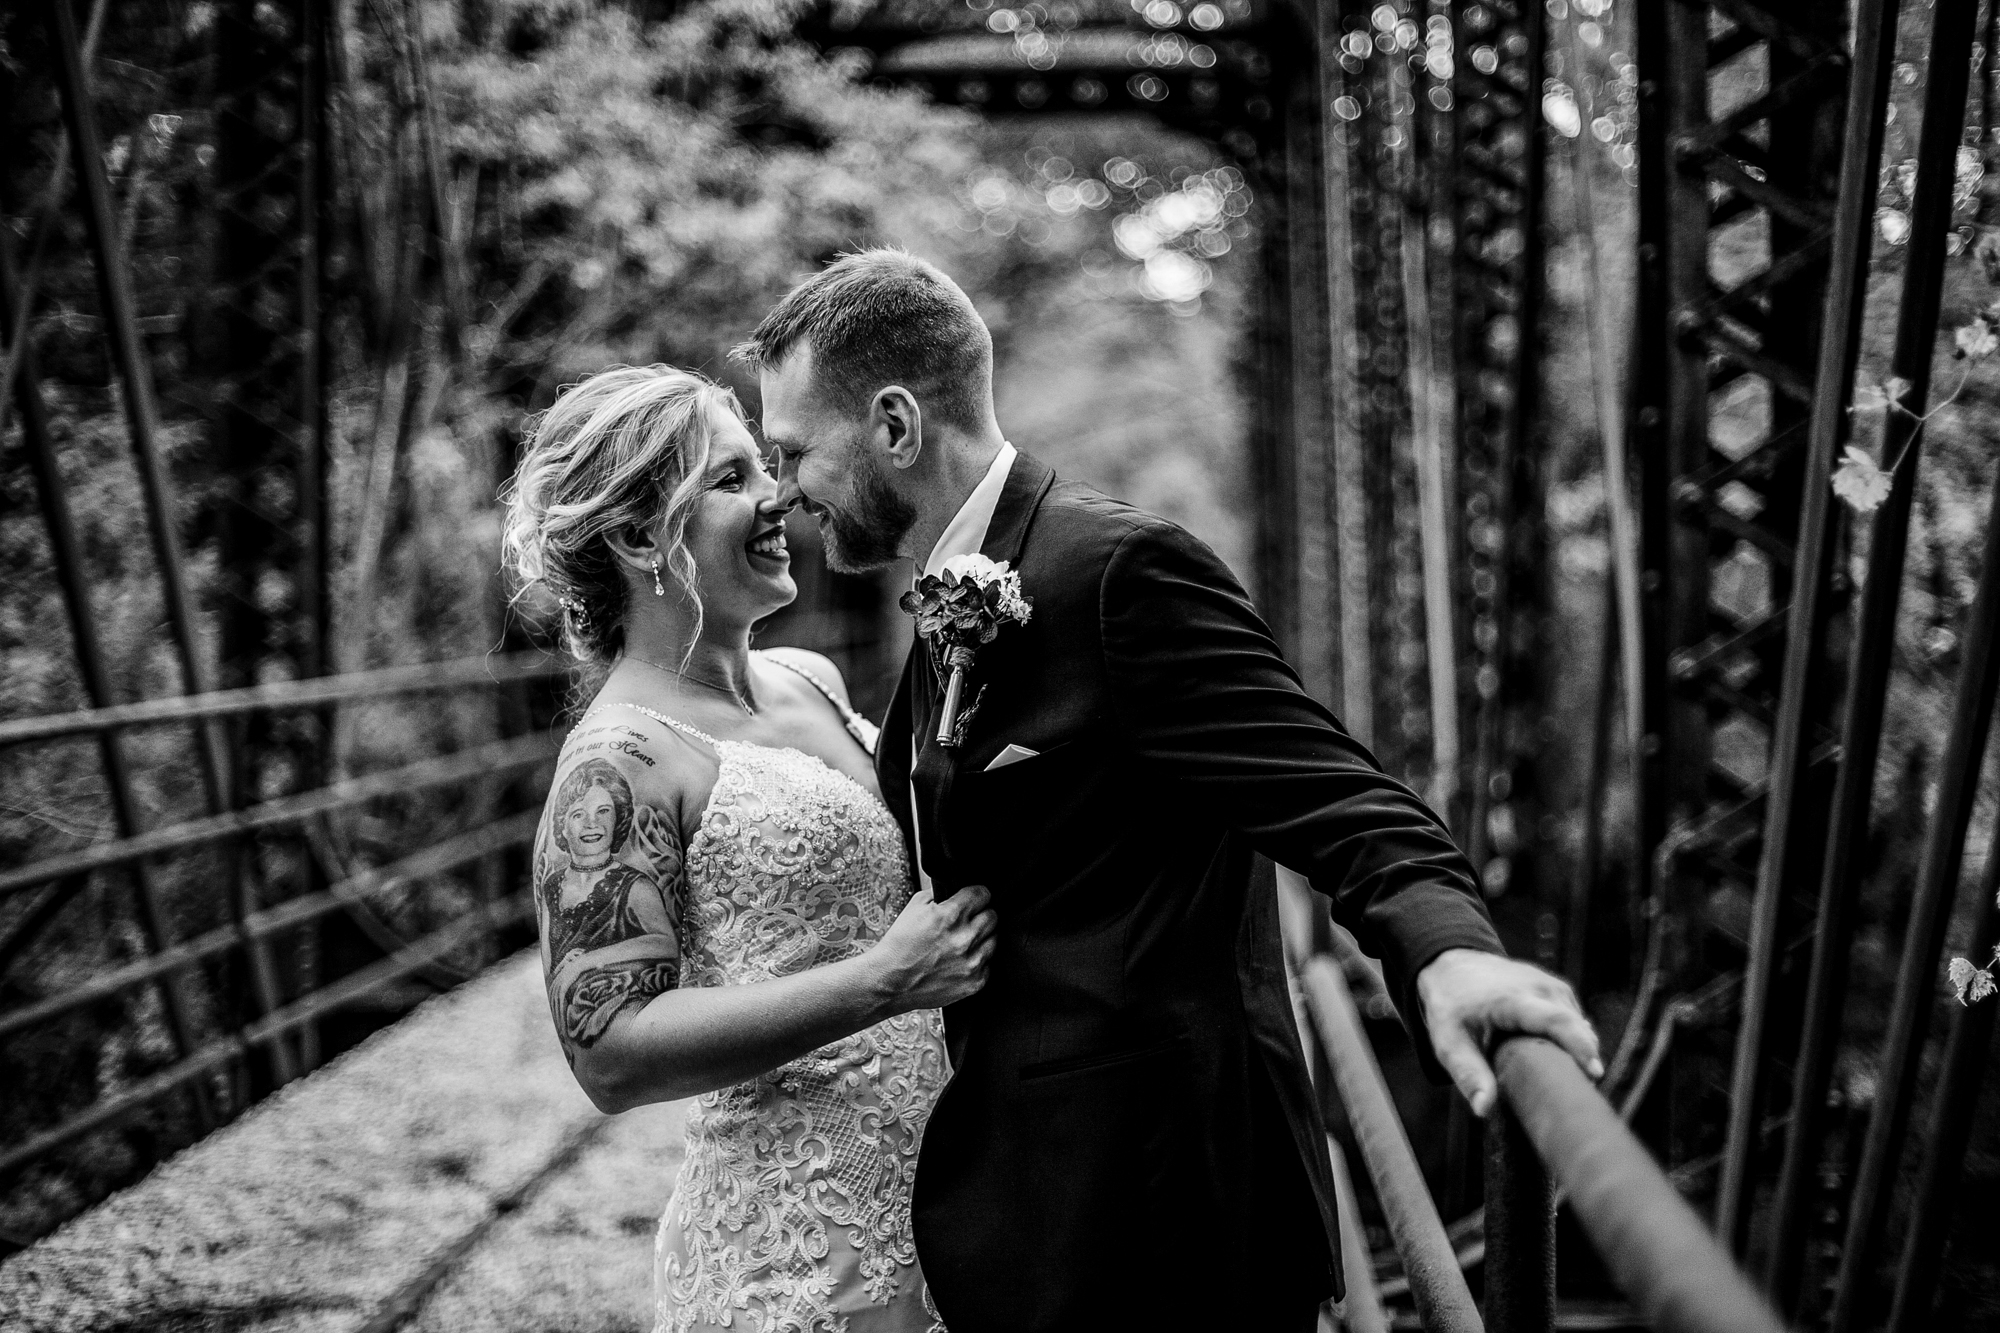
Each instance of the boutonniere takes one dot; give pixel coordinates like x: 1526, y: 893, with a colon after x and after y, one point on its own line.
x: 958, y: 611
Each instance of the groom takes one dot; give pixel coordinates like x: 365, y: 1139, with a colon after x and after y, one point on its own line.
x: 1129, y: 1138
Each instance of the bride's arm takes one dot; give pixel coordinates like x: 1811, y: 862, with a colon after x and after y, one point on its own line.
x: 609, y: 883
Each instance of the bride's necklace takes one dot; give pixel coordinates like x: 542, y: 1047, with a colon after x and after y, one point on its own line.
x: 722, y: 688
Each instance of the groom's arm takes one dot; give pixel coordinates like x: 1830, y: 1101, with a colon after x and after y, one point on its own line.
x: 1201, y: 693
x: 1202, y: 696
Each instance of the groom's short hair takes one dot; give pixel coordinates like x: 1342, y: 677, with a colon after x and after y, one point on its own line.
x: 880, y: 317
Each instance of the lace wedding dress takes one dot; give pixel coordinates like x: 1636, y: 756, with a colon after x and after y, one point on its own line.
x: 791, y: 1213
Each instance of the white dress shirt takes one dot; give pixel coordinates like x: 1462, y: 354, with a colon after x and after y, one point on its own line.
x: 966, y: 532
x: 964, y: 535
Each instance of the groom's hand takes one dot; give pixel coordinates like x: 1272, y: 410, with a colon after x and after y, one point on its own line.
x: 1469, y: 998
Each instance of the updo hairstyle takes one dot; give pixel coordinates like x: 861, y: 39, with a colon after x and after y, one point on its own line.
x: 623, y: 449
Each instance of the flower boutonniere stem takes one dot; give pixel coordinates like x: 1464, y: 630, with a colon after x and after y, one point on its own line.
x: 959, y: 610
x: 959, y: 660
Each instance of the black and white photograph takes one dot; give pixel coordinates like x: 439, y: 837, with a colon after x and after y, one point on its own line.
x: 999, y: 666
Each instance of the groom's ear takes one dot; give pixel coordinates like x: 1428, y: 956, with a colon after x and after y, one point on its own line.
x: 899, y: 425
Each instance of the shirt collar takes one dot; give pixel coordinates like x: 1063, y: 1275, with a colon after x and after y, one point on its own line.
x: 966, y: 532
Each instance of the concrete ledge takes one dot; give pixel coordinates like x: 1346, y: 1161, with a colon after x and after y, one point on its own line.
x: 323, y: 1202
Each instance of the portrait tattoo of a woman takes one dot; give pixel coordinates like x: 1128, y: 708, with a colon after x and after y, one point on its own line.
x: 609, y: 878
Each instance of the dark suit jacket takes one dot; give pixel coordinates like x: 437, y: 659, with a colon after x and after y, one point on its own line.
x: 1129, y: 1134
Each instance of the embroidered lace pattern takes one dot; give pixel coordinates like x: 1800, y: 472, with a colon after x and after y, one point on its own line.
x: 791, y: 1213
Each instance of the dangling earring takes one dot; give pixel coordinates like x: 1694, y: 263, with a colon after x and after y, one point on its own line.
x: 659, y: 588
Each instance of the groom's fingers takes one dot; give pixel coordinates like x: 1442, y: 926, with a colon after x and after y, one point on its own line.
x: 1459, y: 1054
x: 1562, y: 1023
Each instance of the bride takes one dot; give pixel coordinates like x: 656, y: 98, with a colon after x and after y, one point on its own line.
x: 725, y: 904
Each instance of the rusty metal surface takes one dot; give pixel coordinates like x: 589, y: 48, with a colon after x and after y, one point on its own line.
x: 1874, y: 49
x: 1791, y: 831
x: 1740, y: 133
x: 1658, y: 1251
x: 350, y: 688
x: 1520, y: 1267
x: 59, y: 524
x: 128, y: 354
x: 1952, y: 26
x: 1361, y: 1309
x: 1443, y: 1300
x: 1956, y: 1096
x: 272, y: 1027
x: 1941, y: 1177
x: 435, y: 859
x: 479, y: 762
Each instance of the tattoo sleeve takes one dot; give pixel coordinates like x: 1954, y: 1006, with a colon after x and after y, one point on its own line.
x: 609, y: 878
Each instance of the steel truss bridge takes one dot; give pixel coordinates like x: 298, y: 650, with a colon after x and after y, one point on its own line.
x: 1403, y: 153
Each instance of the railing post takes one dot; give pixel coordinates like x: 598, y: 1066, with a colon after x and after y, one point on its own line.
x: 1794, y: 813
x: 1952, y: 30
x: 1520, y: 1230
x: 74, y: 579
x: 117, y: 307
x: 1956, y: 1095
x: 1361, y: 1310
x: 1444, y: 1303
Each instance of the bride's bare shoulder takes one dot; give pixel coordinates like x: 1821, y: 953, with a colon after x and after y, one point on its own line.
x: 816, y: 667
x: 668, y: 765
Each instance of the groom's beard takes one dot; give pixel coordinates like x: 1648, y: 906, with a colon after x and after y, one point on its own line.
x: 867, y: 535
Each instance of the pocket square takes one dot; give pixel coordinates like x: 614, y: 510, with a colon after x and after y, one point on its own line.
x: 1013, y: 754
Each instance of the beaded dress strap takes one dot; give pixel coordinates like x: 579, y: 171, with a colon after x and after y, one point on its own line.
x: 859, y: 727
x: 659, y: 717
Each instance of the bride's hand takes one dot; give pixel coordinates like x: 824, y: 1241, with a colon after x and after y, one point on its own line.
x: 937, y: 952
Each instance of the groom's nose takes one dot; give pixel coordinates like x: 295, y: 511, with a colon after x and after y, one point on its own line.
x: 789, y: 494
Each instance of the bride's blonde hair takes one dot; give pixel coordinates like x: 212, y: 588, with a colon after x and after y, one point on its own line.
x: 623, y: 449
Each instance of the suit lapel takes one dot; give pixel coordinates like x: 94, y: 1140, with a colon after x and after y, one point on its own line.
x: 1028, y: 480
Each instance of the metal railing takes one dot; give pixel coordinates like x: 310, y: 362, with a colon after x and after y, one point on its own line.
x: 1551, y: 1136
x: 204, y: 1051
x: 1444, y: 1302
